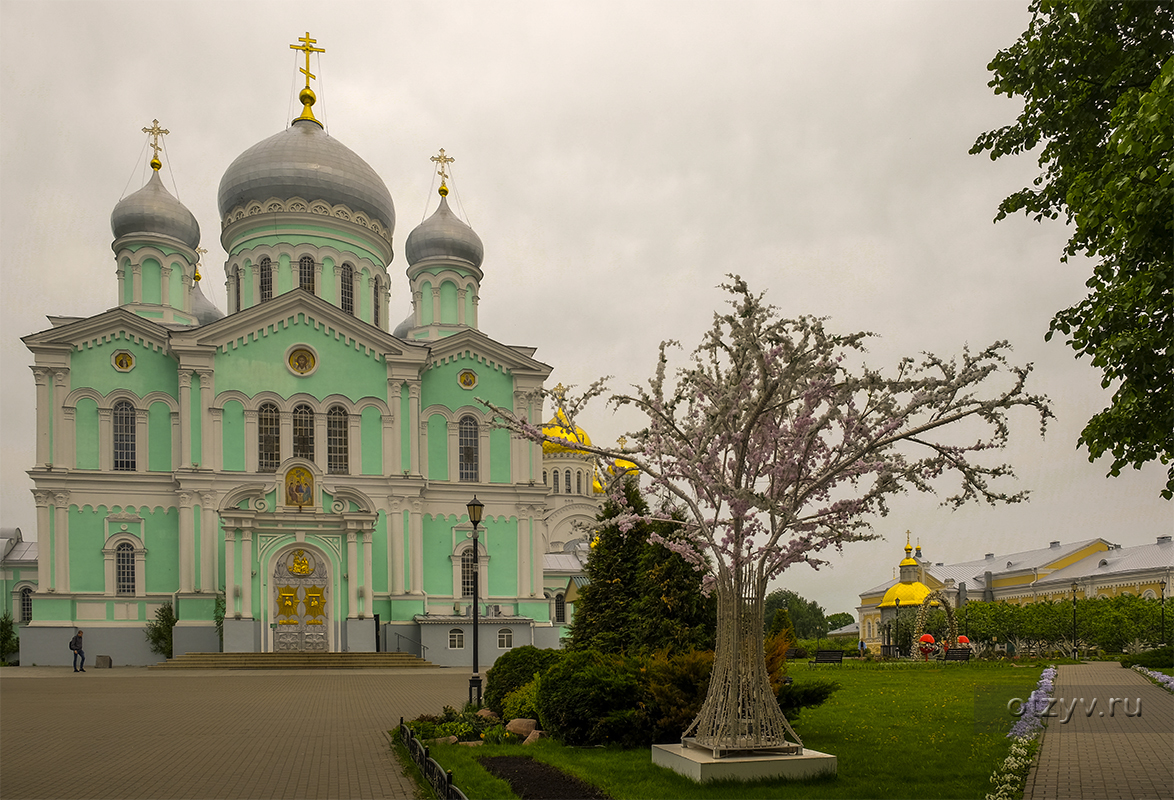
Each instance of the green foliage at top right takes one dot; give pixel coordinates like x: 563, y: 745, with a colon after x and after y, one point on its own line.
x: 1097, y: 84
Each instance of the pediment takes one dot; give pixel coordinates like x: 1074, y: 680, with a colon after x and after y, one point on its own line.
x: 115, y: 324
x: 514, y: 359
x: 281, y: 312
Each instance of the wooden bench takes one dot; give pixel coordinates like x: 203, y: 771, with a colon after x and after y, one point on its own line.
x: 827, y: 657
x: 958, y: 654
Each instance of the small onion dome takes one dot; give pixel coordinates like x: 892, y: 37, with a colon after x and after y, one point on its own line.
x: 557, y: 427
x: 401, y: 330
x: 445, y: 236
x: 909, y: 561
x: 304, y: 161
x: 152, y: 209
x: 623, y: 466
x: 910, y: 594
x: 203, y: 308
x: 927, y: 638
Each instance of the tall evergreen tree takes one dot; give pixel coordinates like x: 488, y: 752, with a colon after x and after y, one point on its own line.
x: 641, y: 596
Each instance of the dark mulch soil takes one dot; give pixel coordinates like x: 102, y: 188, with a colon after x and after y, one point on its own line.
x: 533, y: 780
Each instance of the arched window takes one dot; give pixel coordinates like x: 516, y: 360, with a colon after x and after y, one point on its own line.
x: 568, y: 476
x: 124, y: 436
x: 306, y: 273
x: 467, y: 573
x: 556, y: 481
x: 236, y: 288
x: 456, y: 639
x: 26, y: 604
x: 347, y: 289
x: 560, y: 608
x: 544, y: 480
x: 375, y: 304
x: 124, y: 568
x: 337, y: 441
x: 468, y: 446
x: 268, y: 438
x: 505, y: 639
x: 303, y: 432
x: 578, y: 483
x: 266, y: 268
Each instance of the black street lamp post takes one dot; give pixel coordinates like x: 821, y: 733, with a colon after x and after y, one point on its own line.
x: 475, y: 508
x: 1163, y: 585
x: 897, y: 641
x: 1075, y: 651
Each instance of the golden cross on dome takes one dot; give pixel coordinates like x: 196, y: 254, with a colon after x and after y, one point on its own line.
x: 307, y: 47
x: 443, y: 161
x: 622, y: 442
x: 155, y: 132
x: 559, y: 391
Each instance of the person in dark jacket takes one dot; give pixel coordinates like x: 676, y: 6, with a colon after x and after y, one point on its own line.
x: 75, y: 644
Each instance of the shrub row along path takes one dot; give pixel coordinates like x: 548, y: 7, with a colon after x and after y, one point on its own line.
x: 129, y: 732
x: 1101, y: 751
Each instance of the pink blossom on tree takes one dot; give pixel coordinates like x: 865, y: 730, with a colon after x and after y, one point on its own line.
x: 774, y: 449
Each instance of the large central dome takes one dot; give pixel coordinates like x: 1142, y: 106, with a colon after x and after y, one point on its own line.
x: 304, y: 161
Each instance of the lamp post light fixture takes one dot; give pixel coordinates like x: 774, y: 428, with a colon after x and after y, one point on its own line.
x: 1163, y: 585
x: 475, y: 508
x: 897, y: 640
x: 1075, y: 651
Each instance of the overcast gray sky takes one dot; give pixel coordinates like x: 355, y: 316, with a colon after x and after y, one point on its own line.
x: 616, y: 159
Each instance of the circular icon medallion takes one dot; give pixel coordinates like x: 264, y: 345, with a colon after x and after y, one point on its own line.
x: 123, y: 361
x: 302, y: 361
x: 467, y: 378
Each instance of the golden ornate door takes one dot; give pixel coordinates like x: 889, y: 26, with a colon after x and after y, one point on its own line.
x: 300, y: 591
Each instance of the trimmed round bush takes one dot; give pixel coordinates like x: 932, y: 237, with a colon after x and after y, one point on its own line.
x: 513, y: 670
x: 589, y: 698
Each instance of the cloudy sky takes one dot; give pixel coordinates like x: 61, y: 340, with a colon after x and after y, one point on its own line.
x: 616, y: 159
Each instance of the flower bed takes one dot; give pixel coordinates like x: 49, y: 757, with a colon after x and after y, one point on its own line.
x: 1163, y: 680
x: 1011, y: 775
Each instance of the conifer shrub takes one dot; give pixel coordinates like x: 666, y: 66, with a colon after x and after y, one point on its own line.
x: 159, y: 630
x: 513, y: 670
x: 1158, y: 658
x: 9, y: 641
x: 521, y: 703
x: 677, y: 685
x: 589, y: 698
x: 793, y: 697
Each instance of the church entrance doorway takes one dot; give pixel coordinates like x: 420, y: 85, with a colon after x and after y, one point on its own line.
x: 300, y: 592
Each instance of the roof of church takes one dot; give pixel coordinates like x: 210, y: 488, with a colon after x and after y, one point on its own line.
x: 444, y: 235
x: 153, y: 209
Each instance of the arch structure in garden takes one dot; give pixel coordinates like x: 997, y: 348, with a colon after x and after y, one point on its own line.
x: 923, y: 610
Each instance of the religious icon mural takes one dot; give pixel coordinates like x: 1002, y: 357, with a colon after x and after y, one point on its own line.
x: 299, y: 487
x: 302, y: 361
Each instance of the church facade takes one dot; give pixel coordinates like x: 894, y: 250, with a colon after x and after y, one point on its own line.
x: 295, y: 466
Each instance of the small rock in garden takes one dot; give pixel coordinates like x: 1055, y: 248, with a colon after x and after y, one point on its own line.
x: 533, y: 737
x: 521, y: 726
x: 477, y: 743
x: 485, y: 713
x: 445, y: 740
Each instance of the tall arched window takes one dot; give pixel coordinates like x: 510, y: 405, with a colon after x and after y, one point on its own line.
x: 347, y: 289
x: 306, y: 273
x: 266, y: 268
x: 556, y: 481
x: 236, y: 288
x: 268, y: 438
x: 337, y: 441
x: 375, y: 304
x: 467, y: 572
x: 26, y: 604
x: 124, y: 436
x: 568, y: 476
x: 578, y: 483
x: 124, y: 568
x: 303, y: 432
x: 560, y: 608
x: 468, y: 445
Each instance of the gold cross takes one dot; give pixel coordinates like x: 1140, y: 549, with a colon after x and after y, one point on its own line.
x: 307, y: 47
x: 443, y: 161
x: 622, y: 442
x: 155, y: 132
x: 559, y: 391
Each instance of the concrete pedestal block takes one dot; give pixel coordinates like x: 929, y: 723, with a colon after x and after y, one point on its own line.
x: 701, y: 766
x: 103, y: 662
x: 360, y: 635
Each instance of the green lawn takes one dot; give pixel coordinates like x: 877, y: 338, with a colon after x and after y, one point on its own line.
x: 910, y: 730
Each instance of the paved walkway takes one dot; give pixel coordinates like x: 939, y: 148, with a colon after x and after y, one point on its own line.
x: 130, y: 732
x: 1105, y: 751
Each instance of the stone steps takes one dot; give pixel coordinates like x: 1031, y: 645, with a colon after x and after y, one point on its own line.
x: 293, y: 661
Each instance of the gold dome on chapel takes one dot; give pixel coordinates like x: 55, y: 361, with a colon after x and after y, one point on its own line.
x: 557, y: 428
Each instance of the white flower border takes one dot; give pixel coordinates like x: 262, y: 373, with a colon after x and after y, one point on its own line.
x: 1160, y: 678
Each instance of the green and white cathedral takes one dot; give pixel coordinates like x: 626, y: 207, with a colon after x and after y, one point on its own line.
x: 295, y: 460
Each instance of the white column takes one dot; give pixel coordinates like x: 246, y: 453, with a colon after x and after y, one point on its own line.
x: 461, y: 293
x: 231, y: 587
x: 251, y: 440
x: 413, y: 428
x: 45, y: 562
x: 206, y: 397
x: 436, y: 305
x: 215, y: 448
x: 136, y: 271
x: 247, y: 574
x: 61, y: 540
x: 368, y: 593
x: 354, y: 443
x: 416, y: 547
x: 320, y: 440
x: 142, y: 448
x: 106, y: 439
x: 176, y: 440
x: 185, y: 418
x: 187, y: 542
x: 60, y: 391
x: 208, y: 540
x: 165, y: 284
x: 352, y: 569
x: 454, y: 465
x: 391, y: 444
x: 44, y: 425
x: 395, y: 547
x: 285, y: 435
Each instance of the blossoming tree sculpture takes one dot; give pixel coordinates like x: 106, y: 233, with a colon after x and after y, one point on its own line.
x: 774, y: 449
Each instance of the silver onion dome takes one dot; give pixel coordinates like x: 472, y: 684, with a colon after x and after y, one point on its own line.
x: 304, y: 161
x: 443, y: 235
x: 153, y: 209
x: 203, y: 308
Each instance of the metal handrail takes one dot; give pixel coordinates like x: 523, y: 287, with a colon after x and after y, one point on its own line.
x: 423, y: 647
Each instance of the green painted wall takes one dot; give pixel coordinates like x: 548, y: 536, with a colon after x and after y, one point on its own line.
x: 159, y: 437
x: 314, y: 235
x: 371, y: 434
x: 87, y: 571
x: 284, y: 279
x: 85, y: 424
x: 341, y: 368
x: 438, y: 546
x: 152, y: 281
x: 248, y: 299
x: 175, y: 284
x: 197, y: 422
x: 379, y: 545
x: 161, y: 538
x: 233, y: 433
x: 426, y: 303
x: 499, y: 456
x: 439, y: 385
x: 503, y: 556
x: 128, y: 292
x: 327, y: 290
x: 448, y: 302
x: 437, y: 448
x: 53, y: 609
x: 405, y: 428
x: 153, y: 371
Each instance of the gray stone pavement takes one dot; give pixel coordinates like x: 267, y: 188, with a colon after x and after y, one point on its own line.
x: 130, y: 732
x: 1105, y: 751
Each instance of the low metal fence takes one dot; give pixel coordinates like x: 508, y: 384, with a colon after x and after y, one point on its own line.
x: 437, y: 776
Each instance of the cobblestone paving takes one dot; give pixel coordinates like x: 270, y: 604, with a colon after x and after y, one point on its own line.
x: 132, y: 733
x: 1102, y: 752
